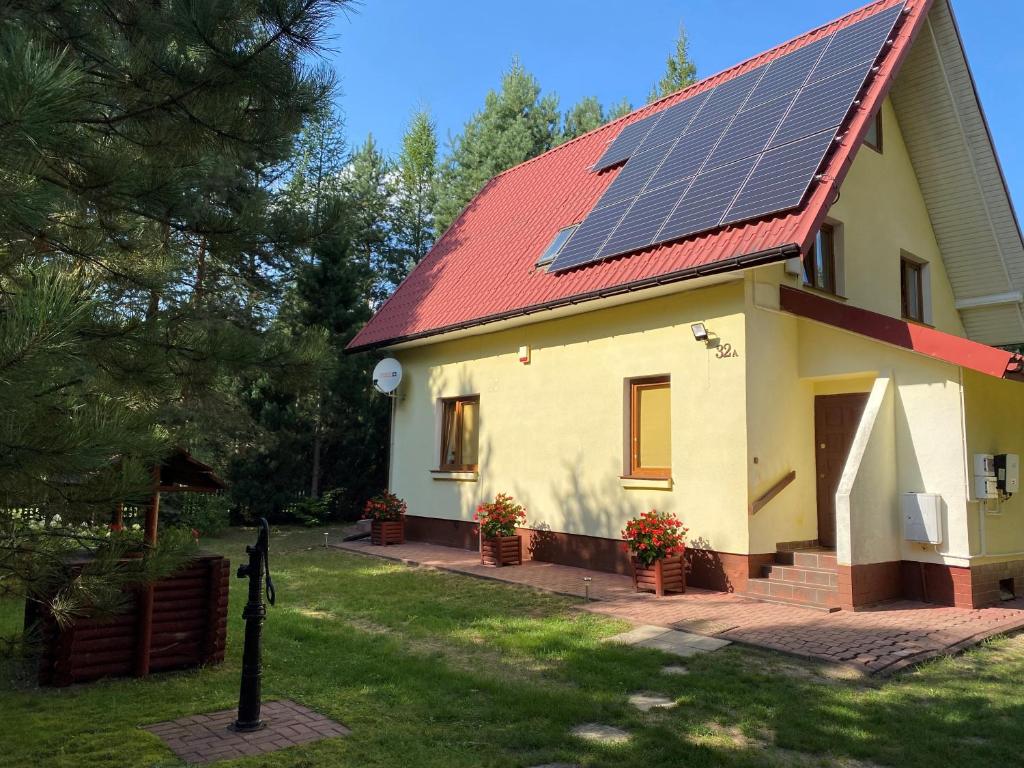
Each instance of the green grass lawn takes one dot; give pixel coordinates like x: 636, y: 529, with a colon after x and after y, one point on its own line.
x: 436, y: 669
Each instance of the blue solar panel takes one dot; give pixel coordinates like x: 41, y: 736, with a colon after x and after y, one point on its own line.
x: 674, y: 121
x: 856, y: 43
x: 706, y: 201
x: 781, y: 178
x: 642, y: 222
x: 588, y: 238
x: 750, y: 132
x: 788, y: 73
x: 748, y: 148
x: 688, y: 154
x: 728, y: 98
x: 634, y: 176
x: 626, y: 142
x: 822, y: 105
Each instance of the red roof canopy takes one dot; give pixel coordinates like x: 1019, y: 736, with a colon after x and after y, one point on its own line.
x: 922, y: 339
x: 482, y: 269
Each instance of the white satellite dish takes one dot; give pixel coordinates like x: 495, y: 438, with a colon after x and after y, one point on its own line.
x: 387, y: 375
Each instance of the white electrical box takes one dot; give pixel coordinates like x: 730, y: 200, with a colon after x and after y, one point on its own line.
x: 1007, y: 467
x: 984, y: 465
x: 984, y: 488
x: 984, y: 485
x: 922, y: 517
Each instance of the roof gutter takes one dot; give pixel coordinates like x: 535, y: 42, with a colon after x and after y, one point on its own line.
x: 760, y: 258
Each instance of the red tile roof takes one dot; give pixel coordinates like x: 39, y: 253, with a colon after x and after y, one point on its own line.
x: 482, y: 269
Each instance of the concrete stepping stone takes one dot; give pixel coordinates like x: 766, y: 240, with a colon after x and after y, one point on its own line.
x: 668, y: 640
x: 638, y: 634
x: 605, y: 734
x: 674, y: 669
x: 645, y: 702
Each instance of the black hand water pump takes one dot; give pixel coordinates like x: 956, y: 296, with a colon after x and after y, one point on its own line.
x: 255, y: 611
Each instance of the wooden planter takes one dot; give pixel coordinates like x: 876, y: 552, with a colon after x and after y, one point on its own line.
x: 501, y: 550
x: 383, y: 532
x: 661, y: 576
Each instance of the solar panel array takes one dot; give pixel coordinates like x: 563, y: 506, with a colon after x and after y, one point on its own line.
x: 748, y: 148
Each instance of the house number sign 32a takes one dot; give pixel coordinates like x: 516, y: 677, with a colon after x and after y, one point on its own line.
x: 726, y: 350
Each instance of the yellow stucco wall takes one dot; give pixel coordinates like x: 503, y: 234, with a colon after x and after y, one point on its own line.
x: 927, y: 418
x: 995, y: 424
x: 552, y: 432
x: 780, y: 430
x: 814, y: 359
x: 868, y: 521
x: 880, y: 214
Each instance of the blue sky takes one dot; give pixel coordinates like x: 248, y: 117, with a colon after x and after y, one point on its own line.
x: 394, y: 55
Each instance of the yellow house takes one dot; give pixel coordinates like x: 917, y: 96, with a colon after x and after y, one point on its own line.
x: 799, y: 343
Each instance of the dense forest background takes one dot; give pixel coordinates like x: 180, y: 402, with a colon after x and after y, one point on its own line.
x: 188, y: 242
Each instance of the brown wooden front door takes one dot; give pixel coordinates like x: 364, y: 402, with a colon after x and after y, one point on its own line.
x: 835, y: 423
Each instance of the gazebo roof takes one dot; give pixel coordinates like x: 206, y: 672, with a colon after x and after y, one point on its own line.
x: 181, y: 472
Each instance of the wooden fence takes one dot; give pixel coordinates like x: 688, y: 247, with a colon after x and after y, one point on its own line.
x: 189, y: 629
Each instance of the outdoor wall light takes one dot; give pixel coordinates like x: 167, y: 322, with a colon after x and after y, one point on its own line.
x: 700, y: 333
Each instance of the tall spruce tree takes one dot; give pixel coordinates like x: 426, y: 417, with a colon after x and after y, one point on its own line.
x: 368, y: 189
x: 416, y: 194
x: 619, y: 109
x: 588, y: 114
x: 318, y: 165
x: 680, y: 71
x: 585, y: 115
x: 326, y: 435
x: 144, y: 243
x: 515, y: 124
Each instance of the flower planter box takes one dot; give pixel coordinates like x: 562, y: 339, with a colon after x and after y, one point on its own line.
x: 501, y: 550
x: 661, y: 576
x: 384, y: 532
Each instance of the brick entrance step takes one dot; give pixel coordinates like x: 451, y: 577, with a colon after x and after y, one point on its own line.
x: 806, y: 577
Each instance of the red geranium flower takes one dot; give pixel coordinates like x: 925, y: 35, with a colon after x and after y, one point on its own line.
x: 652, y: 535
x: 500, y: 517
x: 385, y: 506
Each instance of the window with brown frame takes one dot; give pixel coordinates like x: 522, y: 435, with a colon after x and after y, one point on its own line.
x: 873, y: 138
x: 912, y: 290
x: 460, y: 426
x: 820, y: 261
x: 650, y: 428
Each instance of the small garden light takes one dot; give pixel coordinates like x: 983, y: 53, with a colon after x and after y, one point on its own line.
x: 586, y: 587
x: 326, y: 534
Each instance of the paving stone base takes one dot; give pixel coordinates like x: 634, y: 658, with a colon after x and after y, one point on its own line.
x: 880, y: 639
x: 206, y: 738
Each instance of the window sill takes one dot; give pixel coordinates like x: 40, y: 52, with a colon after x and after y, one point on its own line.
x: 648, y: 483
x: 445, y: 474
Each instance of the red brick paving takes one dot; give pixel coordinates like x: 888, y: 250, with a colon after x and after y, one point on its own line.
x: 206, y: 738
x: 882, y: 639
